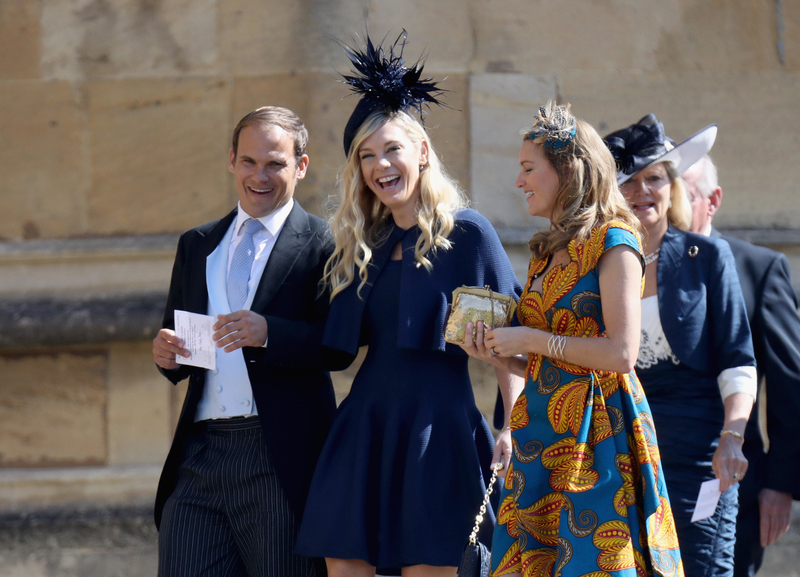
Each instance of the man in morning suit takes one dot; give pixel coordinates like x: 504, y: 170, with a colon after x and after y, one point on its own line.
x: 234, y: 485
x: 773, y: 473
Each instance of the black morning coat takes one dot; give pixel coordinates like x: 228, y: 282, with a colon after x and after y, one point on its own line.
x: 291, y: 388
x: 772, y: 310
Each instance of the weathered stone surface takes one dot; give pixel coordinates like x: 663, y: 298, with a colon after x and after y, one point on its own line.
x: 159, y: 154
x: 758, y: 121
x: 139, y: 406
x: 500, y: 106
x: 52, y: 321
x: 52, y: 409
x: 651, y: 36
x: 118, y: 543
x: 19, y: 40
x: 118, y: 38
x: 555, y: 35
x: 43, y: 164
x: 58, y: 492
x: 442, y: 29
x: 86, y: 266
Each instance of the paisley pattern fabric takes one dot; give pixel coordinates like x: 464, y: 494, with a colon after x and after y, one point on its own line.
x: 584, y: 495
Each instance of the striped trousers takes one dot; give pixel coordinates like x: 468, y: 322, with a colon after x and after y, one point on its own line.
x: 228, y: 515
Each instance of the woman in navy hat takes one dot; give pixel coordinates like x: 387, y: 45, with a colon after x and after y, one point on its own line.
x: 405, y: 466
x: 696, y: 358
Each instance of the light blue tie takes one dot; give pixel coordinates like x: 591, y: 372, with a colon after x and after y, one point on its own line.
x: 241, y: 263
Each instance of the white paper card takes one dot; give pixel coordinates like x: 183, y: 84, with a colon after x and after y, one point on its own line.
x: 196, y: 332
x: 707, y: 500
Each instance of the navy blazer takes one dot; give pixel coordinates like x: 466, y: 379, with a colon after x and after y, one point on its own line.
x: 772, y: 309
x: 701, y: 305
x: 291, y: 388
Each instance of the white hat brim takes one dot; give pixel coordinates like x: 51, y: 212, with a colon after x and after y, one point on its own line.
x: 685, y: 154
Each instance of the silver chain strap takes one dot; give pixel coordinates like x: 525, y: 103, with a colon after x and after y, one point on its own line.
x: 473, y: 538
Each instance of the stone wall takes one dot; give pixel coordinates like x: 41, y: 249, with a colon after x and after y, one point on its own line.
x: 115, y: 126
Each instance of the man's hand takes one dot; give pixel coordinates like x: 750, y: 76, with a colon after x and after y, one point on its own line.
x: 166, y: 346
x: 240, y: 329
x: 776, y: 514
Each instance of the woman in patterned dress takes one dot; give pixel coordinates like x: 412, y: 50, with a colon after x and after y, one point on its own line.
x: 583, y: 493
x: 696, y: 356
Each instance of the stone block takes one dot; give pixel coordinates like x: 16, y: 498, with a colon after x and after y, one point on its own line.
x: 118, y: 38
x: 441, y: 30
x: 555, y: 35
x: 45, y: 174
x: 756, y: 147
x: 679, y: 35
x: 53, y: 409
x: 257, y: 38
x: 19, y: 40
x: 159, y: 155
x: 139, y: 408
x: 87, y: 266
x: 501, y: 106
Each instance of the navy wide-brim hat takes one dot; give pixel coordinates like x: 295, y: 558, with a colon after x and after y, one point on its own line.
x: 639, y: 145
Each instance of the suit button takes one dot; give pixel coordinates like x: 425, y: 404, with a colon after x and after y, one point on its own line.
x: 215, y: 371
x: 221, y: 409
x: 246, y: 403
x: 219, y: 389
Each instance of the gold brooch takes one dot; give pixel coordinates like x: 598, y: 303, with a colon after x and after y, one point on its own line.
x: 693, y: 250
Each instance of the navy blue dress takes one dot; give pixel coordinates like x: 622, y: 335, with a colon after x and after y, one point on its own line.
x: 400, y: 479
x: 689, y: 414
x: 404, y: 468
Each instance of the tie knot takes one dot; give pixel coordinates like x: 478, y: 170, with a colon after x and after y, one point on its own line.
x: 252, y: 226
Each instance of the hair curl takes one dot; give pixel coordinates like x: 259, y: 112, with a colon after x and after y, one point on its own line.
x: 358, y: 224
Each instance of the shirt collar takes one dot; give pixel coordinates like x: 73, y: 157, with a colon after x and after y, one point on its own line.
x: 272, y: 222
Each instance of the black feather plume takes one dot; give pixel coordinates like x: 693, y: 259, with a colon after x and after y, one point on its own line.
x: 384, y: 81
x: 379, y: 73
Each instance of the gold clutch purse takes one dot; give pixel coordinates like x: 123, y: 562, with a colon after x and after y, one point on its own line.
x: 473, y: 304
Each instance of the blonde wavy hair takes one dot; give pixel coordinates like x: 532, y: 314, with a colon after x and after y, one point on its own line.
x: 588, y: 190
x: 679, y: 212
x: 358, y: 223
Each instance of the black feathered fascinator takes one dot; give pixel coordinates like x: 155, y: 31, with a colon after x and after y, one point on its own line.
x: 385, y: 82
x: 644, y: 143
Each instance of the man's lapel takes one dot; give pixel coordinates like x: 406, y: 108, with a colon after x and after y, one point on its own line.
x: 206, y: 246
x: 290, y: 244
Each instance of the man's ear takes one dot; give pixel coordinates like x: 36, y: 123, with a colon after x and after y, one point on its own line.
x: 231, y: 161
x: 302, y: 166
x: 714, y: 201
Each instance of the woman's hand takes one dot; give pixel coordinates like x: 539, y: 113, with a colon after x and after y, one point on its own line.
x: 729, y: 463
x: 502, y: 451
x: 508, y: 341
x: 475, y: 347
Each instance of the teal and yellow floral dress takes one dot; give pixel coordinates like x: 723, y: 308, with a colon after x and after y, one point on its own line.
x: 584, y: 495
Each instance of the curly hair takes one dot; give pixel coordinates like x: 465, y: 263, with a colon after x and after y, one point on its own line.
x: 358, y: 224
x: 587, y: 176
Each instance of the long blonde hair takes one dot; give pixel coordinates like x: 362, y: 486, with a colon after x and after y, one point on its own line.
x: 357, y: 225
x: 588, y: 190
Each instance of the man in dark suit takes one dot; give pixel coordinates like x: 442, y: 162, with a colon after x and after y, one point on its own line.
x: 773, y: 474
x: 234, y: 485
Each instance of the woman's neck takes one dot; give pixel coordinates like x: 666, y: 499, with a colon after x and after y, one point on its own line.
x: 655, y: 234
